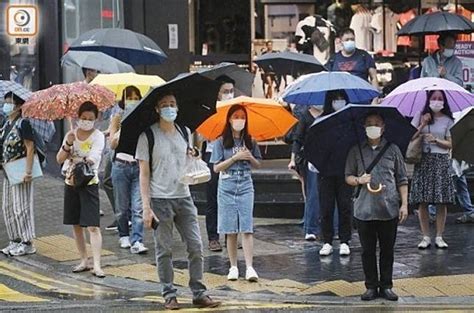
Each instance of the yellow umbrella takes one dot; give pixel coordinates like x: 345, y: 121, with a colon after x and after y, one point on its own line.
x: 118, y: 82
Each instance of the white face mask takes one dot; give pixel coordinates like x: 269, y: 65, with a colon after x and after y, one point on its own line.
x: 227, y: 96
x: 373, y: 132
x: 85, y: 125
x: 238, y: 125
x: 448, y: 53
x: 436, y: 105
x: 338, y: 104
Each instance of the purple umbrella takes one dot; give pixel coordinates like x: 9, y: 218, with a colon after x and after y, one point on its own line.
x: 410, y: 97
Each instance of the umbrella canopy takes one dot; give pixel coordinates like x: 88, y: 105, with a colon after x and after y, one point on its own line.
x: 196, y: 97
x: 330, y: 138
x: 436, y: 23
x: 311, y: 89
x: 462, y: 134
x: 118, y: 82
x: 128, y: 46
x: 63, y: 101
x: 267, y: 119
x: 7, y: 86
x: 97, y: 61
x: 410, y: 97
x: 243, y: 79
x: 289, y: 63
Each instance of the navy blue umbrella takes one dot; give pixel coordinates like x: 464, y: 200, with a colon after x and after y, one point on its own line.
x: 330, y: 138
x: 243, y: 79
x: 289, y: 63
x: 123, y: 44
x: 311, y: 89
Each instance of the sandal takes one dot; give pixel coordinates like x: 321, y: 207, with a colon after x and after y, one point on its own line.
x: 98, y: 274
x: 80, y: 268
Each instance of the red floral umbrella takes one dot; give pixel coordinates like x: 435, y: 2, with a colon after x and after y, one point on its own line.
x: 63, y: 101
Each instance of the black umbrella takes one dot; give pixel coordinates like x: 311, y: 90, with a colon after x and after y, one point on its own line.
x: 436, y: 23
x: 123, y: 44
x: 196, y: 97
x: 331, y: 138
x: 289, y: 63
x: 243, y: 79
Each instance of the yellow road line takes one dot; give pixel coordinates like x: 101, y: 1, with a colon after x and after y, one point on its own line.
x: 10, y: 295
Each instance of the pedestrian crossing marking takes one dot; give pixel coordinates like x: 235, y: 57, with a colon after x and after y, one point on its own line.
x: 52, y: 284
x: 10, y: 295
x: 61, y: 248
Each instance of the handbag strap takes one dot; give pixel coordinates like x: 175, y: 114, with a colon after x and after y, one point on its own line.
x: 372, y: 165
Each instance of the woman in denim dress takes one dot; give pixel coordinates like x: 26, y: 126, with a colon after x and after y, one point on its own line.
x: 234, y: 155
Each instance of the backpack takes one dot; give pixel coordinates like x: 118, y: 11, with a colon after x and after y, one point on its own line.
x: 38, y: 140
x: 151, y: 140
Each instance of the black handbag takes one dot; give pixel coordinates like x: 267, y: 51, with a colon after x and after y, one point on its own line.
x: 82, y: 174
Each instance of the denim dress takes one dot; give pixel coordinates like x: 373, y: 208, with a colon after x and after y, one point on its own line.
x: 235, y: 193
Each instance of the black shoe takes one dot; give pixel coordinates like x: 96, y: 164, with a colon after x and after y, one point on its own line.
x: 388, y: 294
x: 112, y: 226
x: 369, y: 295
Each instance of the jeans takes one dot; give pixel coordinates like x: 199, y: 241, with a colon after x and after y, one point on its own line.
x: 125, y: 178
x: 311, y: 206
x: 334, y: 190
x: 182, y: 213
x: 106, y: 181
x: 386, y: 233
x: 462, y: 195
x: 211, y: 194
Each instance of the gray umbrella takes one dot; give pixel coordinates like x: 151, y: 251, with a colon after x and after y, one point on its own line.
x: 462, y: 134
x: 97, y: 61
x: 243, y: 79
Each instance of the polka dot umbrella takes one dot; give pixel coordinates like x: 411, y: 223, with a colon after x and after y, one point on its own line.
x: 63, y: 100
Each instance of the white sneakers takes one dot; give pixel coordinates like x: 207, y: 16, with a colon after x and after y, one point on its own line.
x: 22, y: 249
x: 11, y: 246
x: 138, y: 248
x: 310, y: 237
x: 125, y: 242
x: 326, y: 250
x: 250, y: 274
x: 425, y: 243
x: 440, y: 243
x: 344, y: 249
x: 233, y: 273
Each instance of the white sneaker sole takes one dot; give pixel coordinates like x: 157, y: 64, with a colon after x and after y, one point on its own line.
x: 252, y: 279
x: 325, y: 253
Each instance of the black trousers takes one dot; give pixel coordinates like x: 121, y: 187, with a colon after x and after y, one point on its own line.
x: 332, y: 190
x: 386, y: 233
x: 211, y: 194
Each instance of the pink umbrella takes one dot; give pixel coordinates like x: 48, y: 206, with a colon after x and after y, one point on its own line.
x: 63, y: 101
x: 410, y: 97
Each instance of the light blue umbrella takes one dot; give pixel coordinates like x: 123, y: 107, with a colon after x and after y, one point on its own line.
x: 97, y: 61
x: 311, y: 89
x: 10, y: 86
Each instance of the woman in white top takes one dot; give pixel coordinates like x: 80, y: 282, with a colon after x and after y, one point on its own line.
x: 432, y: 182
x: 81, y: 204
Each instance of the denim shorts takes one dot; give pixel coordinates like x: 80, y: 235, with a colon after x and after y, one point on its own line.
x: 235, y: 200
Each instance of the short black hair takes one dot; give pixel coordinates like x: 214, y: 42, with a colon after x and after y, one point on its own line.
x: 346, y: 30
x: 127, y: 92
x: 442, y: 38
x: 164, y: 94
x: 374, y: 113
x: 85, y: 69
x: 88, y: 107
x: 16, y: 100
x: 224, y: 79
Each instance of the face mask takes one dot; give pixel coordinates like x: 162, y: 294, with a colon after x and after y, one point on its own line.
x: 130, y: 104
x: 448, y: 53
x: 436, y: 105
x: 338, y: 104
x: 8, y: 108
x: 169, y: 114
x: 227, y: 96
x: 85, y: 125
x: 373, y: 132
x: 238, y: 125
x: 349, y: 46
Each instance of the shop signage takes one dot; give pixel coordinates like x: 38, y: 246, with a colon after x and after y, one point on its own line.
x: 465, y: 52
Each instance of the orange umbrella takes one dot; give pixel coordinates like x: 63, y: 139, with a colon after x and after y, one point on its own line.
x: 267, y: 119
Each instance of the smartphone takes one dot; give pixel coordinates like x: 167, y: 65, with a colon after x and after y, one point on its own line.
x: 154, y: 223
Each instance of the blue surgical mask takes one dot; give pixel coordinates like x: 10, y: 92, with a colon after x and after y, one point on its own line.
x: 8, y: 108
x: 349, y: 45
x: 169, y: 114
x: 130, y: 104
x: 448, y: 53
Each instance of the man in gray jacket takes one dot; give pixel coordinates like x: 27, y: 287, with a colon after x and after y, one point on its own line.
x: 443, y: 63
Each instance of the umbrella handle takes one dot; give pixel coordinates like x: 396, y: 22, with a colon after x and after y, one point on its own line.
x: 376, y: 190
